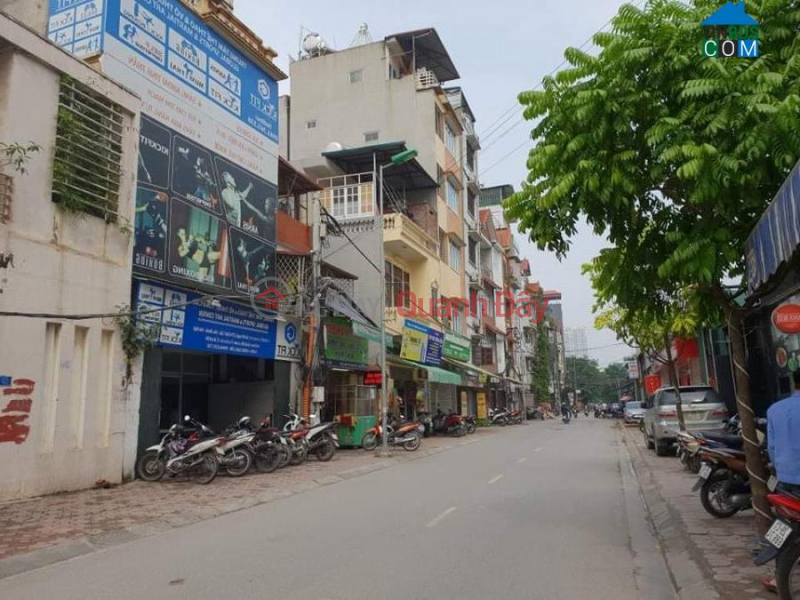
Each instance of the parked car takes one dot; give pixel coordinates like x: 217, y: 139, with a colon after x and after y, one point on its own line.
x: 702, y: 409
x: 634, y: 412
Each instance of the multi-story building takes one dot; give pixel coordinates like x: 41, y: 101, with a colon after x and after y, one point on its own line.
x: 70, y: 394
x: 402, y: 227
x: 575, y: 343
x: 558, y: 359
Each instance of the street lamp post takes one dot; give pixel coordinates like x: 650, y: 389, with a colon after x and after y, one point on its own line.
x: 397, y: 159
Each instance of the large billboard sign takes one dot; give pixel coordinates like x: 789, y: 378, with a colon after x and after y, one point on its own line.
x: 206, y: 200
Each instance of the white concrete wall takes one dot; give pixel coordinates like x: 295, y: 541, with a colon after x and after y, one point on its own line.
x: 31, y: 12
x: 80, y: 426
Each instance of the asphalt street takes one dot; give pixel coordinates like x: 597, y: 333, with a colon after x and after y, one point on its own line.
x: 539, y: 511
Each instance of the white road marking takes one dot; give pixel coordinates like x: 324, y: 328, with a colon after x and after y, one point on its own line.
x: 495, y: 480
x: 538, y: 450
x: 522, y: 460
x: 441, y: 517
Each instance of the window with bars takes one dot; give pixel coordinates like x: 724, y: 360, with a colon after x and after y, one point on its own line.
x: 371, y: 136
x: 397, y: 282
x: 458, y: 316
x: 451, y: 140
x: 455, y: 256
x: 88, y: 151
x: 452, y: 196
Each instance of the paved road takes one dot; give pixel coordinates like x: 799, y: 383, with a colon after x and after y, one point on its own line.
x: 542, y: 511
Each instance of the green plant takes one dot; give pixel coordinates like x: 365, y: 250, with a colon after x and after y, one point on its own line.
x: 136, y: 336
x: 17, y: 155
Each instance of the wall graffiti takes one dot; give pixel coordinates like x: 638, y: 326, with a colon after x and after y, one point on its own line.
x: 14, y: 427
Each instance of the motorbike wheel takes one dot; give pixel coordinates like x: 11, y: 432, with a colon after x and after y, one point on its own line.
x: 369, y: 441
x: 412, y: 444
x: 715, y: 495
x: 300, y: 455
x: 694, y: 463
x: 285, y: 454
x: 206, y: 470
x: 326, y: 450
x: 502, y: 422
x: 244, y: 462
x: 787, y: 572
x: 151, y: 467
x: 268, y: 460
x: 471, y: 428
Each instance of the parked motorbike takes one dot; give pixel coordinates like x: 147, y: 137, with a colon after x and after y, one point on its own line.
x: 499, y: 417
x: 723, y: 482
x: 321, y: 439
x: 426, y: 420
x: 181, y: 452
x: 782, y: 543
x: 408, y: 435
x: 269, y: 450
x: 449, y: 424
x: 237, y: 453
x: 516, y: 417
x: 566, y: 417
x: 690, y: 443
x: 471, y: 423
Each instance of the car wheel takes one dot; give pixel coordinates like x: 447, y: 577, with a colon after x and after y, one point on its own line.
x: 647, y: 441
x: 662, y: 448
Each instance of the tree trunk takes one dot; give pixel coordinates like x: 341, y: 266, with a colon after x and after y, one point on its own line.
x: 744, y: 403
x: 676, y: 381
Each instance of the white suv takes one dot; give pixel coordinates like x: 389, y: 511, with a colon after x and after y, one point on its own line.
x: 702, y: 409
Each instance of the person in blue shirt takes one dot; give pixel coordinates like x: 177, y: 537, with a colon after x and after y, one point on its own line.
x: 783, y: 436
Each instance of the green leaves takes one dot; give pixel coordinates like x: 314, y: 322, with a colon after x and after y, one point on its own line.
x: 674, y: 156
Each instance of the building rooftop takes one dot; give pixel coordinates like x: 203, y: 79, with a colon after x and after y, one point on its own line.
x: 428, y: 50
x: 410, y: 175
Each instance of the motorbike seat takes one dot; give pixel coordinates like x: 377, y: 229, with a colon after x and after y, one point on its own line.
x: 730, y: 440
x: 790, y: 490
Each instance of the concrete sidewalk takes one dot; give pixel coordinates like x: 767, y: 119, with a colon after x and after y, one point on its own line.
x: 41, y: 531
x: 698, y: 547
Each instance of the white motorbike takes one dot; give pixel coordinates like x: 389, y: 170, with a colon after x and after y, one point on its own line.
x: 179, y: 453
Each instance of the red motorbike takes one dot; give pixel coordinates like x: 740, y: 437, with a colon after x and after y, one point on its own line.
x: 783, y: 541
x: 450, y: 424
x: 408, y: 435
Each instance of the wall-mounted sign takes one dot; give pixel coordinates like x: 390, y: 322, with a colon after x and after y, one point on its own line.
x: 373, y: 378
x: 225, y: 328
x: 652, y: 383
x: 421, y: 344
x: 457, y: 347
x: 480, y: 398
x: 633, y: 369
x: 206, y: 200
x: 343, y: 349
x: 288, y: 342
x: 786, y: 335
x: 786, y: 318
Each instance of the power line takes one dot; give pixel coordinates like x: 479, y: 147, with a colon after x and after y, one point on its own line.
x: 538, y: 86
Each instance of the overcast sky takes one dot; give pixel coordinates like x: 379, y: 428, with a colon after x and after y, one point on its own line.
x: 500, y: 48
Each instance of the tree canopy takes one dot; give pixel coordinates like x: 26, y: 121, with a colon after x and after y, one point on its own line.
x: 666, y: 152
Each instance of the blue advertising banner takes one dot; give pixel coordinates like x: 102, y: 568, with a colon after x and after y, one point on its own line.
x: 227, y: 328
x: 172, y: 38
x: 77, y: 26
x: 422, y: 344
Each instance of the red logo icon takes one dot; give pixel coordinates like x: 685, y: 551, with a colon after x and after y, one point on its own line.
x: 272, y: 298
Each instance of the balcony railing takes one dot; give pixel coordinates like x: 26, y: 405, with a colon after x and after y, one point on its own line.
x: 348, y: 196
x: 426, y: 79
x: 397, y: 224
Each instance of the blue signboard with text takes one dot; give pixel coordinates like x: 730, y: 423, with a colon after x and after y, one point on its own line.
x: 224, y: 328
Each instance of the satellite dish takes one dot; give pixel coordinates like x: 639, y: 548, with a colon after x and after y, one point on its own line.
x: 333, y: 147
x: 313, y: 43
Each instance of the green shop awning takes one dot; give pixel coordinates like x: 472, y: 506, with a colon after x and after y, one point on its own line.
x: 471, y: 367
x: 435, y: 374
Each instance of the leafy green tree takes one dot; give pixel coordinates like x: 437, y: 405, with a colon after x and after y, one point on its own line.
x: 671, y: 155
x: 541, y: 366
